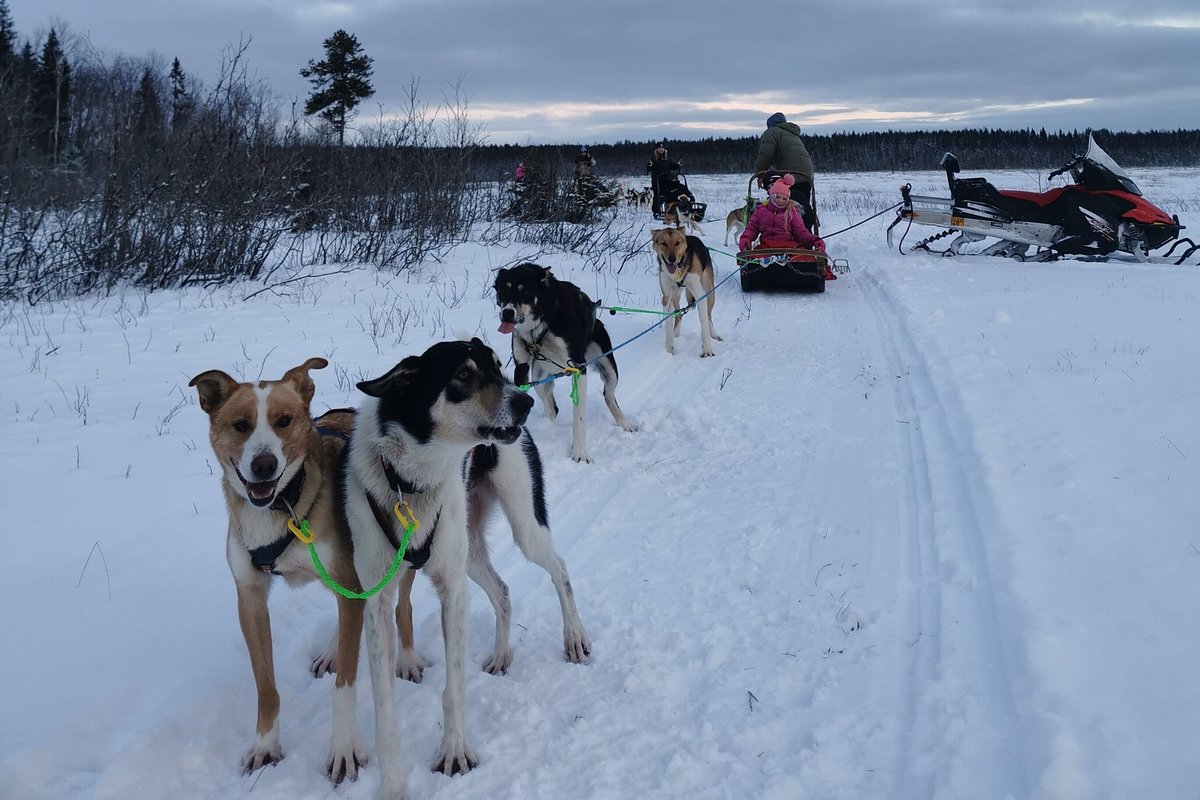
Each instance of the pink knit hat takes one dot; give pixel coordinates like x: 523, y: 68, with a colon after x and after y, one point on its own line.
x: 782, y: 186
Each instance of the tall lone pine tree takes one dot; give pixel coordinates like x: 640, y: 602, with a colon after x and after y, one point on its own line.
x: 340, y: 81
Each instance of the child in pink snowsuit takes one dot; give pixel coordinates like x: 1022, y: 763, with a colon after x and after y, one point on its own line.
x: 779, y: 221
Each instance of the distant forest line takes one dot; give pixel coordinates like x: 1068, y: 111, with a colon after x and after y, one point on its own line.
x: 883, y: 151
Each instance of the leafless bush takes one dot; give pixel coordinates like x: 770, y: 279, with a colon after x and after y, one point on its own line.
x: 154, y: 191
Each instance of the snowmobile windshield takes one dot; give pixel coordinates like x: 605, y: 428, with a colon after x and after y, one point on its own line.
x: 1098, y: 172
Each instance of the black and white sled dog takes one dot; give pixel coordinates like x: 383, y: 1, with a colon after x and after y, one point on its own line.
x: 438, y: 440
x: 554, y: 327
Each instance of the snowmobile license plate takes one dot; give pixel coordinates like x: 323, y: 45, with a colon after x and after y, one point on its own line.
x: 957, y: 221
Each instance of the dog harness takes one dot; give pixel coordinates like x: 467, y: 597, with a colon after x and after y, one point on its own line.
x: 417, y: 557
x: 264, y: 558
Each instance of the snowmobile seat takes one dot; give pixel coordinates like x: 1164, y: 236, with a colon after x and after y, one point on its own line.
x: 1030, y: 206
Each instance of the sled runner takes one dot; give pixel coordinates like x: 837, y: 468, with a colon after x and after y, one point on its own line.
x: 1102, y: 212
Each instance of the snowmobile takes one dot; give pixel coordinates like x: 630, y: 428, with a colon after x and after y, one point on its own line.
x: 1101, y: 213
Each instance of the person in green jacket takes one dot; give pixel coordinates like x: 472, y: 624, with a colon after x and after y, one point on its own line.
x: 781, y: 148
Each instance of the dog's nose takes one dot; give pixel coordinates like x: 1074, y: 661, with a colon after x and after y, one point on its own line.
x: 507, y: 314
x: 263, y: 466
x: 521, y: 404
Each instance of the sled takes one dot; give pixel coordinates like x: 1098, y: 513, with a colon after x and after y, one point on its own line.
x: 779, y: 269
x: 785, y: 269
x: 677, y: 191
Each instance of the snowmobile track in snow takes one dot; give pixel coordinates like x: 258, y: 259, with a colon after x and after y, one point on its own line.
x: 951, y: 607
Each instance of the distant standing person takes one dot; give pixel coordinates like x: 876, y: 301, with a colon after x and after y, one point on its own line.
x: 583, y: 164
x: 781, y: 148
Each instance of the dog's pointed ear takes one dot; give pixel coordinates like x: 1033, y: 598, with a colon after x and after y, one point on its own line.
x: 485, y: 352
x: 214, y: 388
x: 546, y: 275
x: 397, y: 377
x: 298, y: 377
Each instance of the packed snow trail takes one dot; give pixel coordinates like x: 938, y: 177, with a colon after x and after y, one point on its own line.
x: 928, y: 535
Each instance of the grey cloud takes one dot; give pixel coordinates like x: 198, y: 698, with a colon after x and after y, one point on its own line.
x: 645, y: 70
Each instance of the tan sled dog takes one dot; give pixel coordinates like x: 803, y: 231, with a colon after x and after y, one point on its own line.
x: 735, y: 221
x: 280, y: 466
x: 684, y: 263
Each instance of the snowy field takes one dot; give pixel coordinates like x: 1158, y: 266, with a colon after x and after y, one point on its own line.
x: 931, y: 534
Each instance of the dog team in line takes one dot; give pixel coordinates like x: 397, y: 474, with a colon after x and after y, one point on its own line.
x: 405, y: 483
x: 362, y: 499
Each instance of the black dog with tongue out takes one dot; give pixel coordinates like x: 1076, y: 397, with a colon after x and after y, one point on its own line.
x: 555, y: 330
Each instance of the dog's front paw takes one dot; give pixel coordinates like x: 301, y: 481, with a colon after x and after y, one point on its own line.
x: 410, y: 666
x: 345, y: 761
x: 499, y: 663
x: 263, y: 753
x: 707, y: 353
x: 580, y: 456
x: 629, y: 427
x: 577, y: 646
x: 455, y: 757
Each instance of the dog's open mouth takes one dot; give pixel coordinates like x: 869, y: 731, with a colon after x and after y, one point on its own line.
x: 261, y: 493
x: 671, y: 268
x: 503, y: 435
x: 509, y: 325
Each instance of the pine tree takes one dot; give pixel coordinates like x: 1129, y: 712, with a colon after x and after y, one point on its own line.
x: 149, y: 119
x: 182, y: 104
x: 340, y: 81
x: 8, y: 43
x: 51, y: 92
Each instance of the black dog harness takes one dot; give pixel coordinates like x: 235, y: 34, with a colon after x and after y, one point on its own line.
x: 264, y: 558
x: 417, y: 557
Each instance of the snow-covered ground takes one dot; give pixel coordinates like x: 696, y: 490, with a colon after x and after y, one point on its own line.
x: 931, y: 534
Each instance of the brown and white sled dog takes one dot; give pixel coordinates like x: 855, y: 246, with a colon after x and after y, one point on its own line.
x: 278, y: 467
x: 735, y: 221
x: 684, y: 263
x: 553, y: 325
x: 439, y: 438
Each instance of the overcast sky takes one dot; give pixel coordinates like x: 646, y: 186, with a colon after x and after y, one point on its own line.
x: 561, y: 72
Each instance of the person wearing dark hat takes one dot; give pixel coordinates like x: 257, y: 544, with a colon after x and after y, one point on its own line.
x: 664, y: 178
x: 583, y: 163
x: 781, y: 148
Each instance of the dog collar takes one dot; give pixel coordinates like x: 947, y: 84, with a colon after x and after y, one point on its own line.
x: 399, y: 485
x: 287, y: 499
x: 417, y: 557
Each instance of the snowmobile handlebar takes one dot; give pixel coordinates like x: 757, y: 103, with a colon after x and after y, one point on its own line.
x: 1070, y: 165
